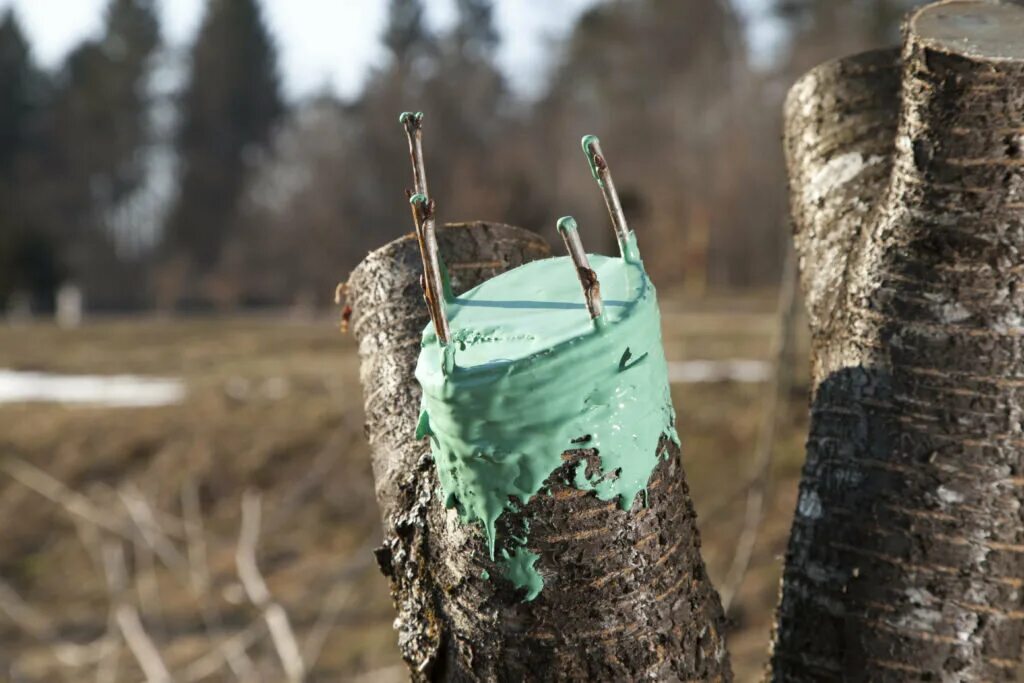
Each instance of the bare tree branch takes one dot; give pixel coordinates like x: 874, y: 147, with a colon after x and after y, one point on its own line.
x: 147, y: 585
x: 757, y: 494
x: 127, y: 617
x: 231, y: 651
x: 337, y: 599
x: 73, y: 502
x: 280, y: 628
x: 110, y: 656
x: 153, y: 535
x: 24, y: 616
x: 234, y: 648
x: 195, y: 536
x: 36, y: 624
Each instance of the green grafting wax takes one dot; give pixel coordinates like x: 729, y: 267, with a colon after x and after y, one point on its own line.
x: 519, y: 570
x: 586, y: 142
x: 528, y: 372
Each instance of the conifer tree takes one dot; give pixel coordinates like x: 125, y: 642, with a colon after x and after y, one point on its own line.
x: 229, y: 108
x: 28, y: 259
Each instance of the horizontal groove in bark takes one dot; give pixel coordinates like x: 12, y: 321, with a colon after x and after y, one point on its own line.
x: 906, y: 560
x: 626, y: 594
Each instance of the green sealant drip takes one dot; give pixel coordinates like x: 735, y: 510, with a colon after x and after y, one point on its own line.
x: 519, y: 570
x: 587, y: 141
x: 526, y: 374
x: 567, y: 224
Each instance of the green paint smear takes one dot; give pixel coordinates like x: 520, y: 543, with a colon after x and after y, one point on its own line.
x: 527, y: 373
x: 585, y: 143
x: 520, y: 571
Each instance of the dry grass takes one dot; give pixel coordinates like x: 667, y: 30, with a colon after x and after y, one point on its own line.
x: 275, y: 405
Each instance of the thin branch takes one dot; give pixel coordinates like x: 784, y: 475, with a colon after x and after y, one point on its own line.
x: 413, y: 124
x: 140, y: 644
x: 127, y: 617
x: 24, y: 616
x: 110, y: 657
x: 433, y: 286
x: 150, y: 529
x: 234, y: 656
x: 73, y: 502
x: 195, y: 536
x: 234, y: 648
x: 603, y: 175
x: 281, y: 633
x: 777, y: 392
x: 587, y: 276
x: 315, y: 476
x: 337, y: 599
x: 147, y: 585
x: 37, y: 625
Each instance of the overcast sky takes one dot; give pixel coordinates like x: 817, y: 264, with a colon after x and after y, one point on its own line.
x: 321, y: 42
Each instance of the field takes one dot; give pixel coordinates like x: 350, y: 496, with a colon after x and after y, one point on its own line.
x: 119, y: 518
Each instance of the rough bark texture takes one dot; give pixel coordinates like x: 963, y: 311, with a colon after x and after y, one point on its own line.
x: 626, y: 596
x: 906, y: 559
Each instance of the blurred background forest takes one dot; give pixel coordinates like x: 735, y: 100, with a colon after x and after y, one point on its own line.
x: 210, y: 517
x: 170, y: 177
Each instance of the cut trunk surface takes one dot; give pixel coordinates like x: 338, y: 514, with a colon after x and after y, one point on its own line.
x: 906, y: 559
x: 626, y: 596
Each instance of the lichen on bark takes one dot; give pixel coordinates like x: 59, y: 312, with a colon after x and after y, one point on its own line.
x: 906, y: 558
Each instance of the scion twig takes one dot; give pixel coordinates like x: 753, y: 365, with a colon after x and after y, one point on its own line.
x: 433, y: 287
x: 588, y: 278
x: 413, y: 124
x: 603, y: 176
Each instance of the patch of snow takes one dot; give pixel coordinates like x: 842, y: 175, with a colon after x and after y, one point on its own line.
x: 114, y: 391
x: 734, y: 370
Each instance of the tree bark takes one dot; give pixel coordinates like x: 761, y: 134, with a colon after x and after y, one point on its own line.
x: 626, y: 596
x: 906, y: 559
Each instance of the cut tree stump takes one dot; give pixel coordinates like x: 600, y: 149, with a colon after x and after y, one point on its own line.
x: 906, y: 559
x: 626, y: 595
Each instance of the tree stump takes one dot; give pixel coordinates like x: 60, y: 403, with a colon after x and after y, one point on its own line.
x: 906, y: 559
x: 626, y: 596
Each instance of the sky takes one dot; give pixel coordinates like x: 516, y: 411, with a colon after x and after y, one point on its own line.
x: 321, y: 42
x: 333, y: 42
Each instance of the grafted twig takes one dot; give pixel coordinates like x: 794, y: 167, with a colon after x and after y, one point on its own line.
x: 413, y: 124
x: 588, y: 278
x: 433, y: 285
x: 603, y: 175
